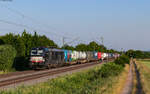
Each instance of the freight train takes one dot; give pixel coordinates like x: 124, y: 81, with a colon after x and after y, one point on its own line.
x: 43, y: 57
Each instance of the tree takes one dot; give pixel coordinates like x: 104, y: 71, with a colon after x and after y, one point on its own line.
x: 19, y: 46
x: 67, y: 47
x: 81, y: 47
x: 1, y: 42
x: 44, y: 41
x: 93, y: 46
x: 27, y: 40
x: 16, y: 42
x: 138, y: 54
x: 131, y: 53
x: 7, y: 57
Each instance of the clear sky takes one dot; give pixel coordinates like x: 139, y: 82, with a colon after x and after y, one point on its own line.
x: 122, y: 23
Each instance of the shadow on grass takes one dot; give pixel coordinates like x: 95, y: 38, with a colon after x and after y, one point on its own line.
x: 139, y: 87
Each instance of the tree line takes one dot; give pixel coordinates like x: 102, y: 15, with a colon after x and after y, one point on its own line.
x: 138, y: 54
x: 15, y: 49
x: 24, y: 42
x: 21, y: 44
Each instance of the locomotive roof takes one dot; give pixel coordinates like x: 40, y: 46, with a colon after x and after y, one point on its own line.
x: 57, y: 50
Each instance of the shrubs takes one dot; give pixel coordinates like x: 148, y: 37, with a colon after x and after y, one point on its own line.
x: 122, y: 60
x: 110, y: 69
x: 114, y: 68
x: 7, y: 56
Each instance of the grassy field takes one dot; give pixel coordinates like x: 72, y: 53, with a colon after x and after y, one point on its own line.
x: 121, y: 81
x: 144, y: 69
x: 145, y: 62
x: 92, y: 81
x: 7, y: 71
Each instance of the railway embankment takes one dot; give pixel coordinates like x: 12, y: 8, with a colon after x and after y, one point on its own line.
x: 99, y: 79
x: 35, y: 77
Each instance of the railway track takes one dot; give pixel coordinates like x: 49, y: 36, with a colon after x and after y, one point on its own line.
x: 15, y: 73
x: 16, y: 80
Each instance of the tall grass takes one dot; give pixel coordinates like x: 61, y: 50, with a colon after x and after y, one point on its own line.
x: 144, y: 69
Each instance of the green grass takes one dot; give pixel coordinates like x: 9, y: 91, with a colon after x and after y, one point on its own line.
x: 145, y: 62
x: 3, y: 72
x: 7, y: 71
x: 92, y: 81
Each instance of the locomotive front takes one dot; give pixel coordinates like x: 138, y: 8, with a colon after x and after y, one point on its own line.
x: 37, y: 57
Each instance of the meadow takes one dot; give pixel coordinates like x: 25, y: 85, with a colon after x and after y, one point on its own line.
x: 144, y: 69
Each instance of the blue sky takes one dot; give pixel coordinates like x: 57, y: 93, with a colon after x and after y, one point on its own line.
x: 122, y: 23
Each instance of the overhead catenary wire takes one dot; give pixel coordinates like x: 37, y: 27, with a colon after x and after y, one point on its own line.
x: 21, y: 25
x: 16, y: 24
x: 33, y: 20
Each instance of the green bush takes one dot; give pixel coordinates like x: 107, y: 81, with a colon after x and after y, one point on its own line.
x: 110, y: 69
x: 7, y: 57
x: 122, y: 60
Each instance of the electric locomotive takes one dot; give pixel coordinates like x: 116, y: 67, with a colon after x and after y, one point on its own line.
x: 42, y: 57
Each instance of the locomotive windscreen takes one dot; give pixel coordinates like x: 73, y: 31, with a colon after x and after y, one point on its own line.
x: 37, y: 51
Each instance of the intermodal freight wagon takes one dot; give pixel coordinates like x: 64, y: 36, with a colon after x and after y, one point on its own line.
x: 42, y: 57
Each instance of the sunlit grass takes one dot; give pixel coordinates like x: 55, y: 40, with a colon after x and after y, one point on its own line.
x: 7, y: 71
x: 145, y: 62
x: 144, y: 69
x: 3, y: 72
x: 120, y: 81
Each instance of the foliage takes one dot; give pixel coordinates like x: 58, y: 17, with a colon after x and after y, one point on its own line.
x: 138, y: 54
x: 112, y: 51
x: 122, y: 60
x: 92, y: 46
x: 7, y: 57
x: 1, y: 42
x: 23, y: 44
x: 67, y: 47
x: 81, y: 47
x: 110, y: 69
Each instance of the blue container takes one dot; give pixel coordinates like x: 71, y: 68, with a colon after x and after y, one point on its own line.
x: 66, y: 55
x: 95, y: 54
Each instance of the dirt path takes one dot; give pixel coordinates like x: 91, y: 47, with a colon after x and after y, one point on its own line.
x: 130, y: 84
